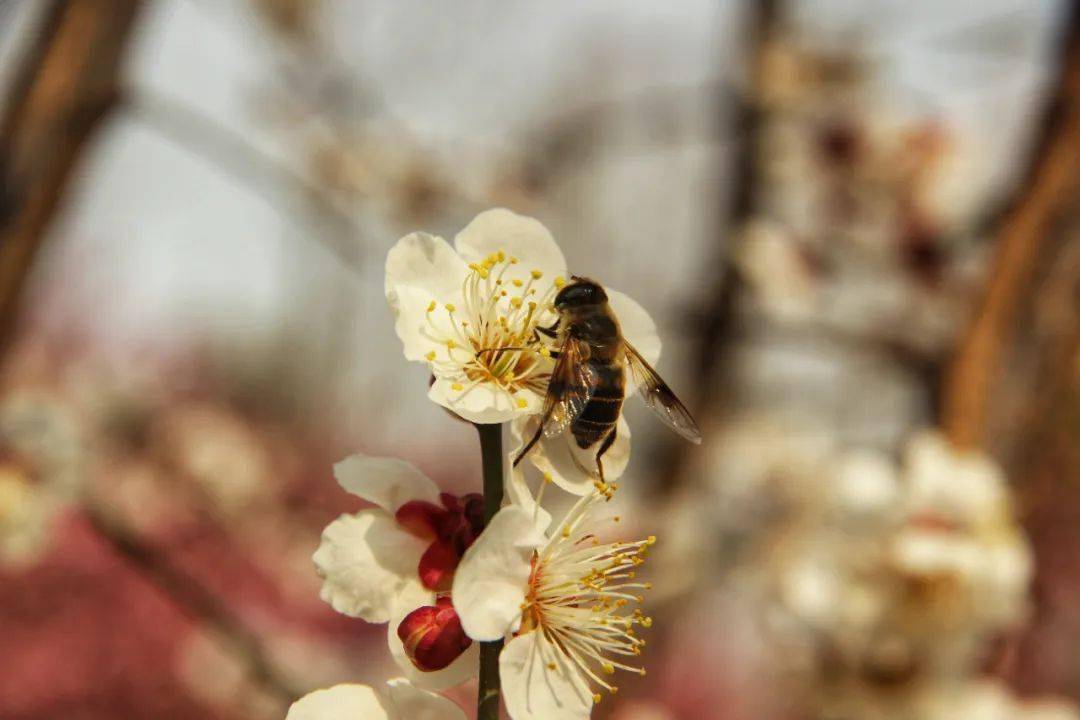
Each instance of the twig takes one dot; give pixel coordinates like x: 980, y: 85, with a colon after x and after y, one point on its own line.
x: 229, y: 151
x: 492, y: 458
x: 192, y: 597
x: 66, y: 86
x: 1050, y: 185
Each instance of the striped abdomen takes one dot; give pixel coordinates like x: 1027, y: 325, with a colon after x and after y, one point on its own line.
x: 601, y: 413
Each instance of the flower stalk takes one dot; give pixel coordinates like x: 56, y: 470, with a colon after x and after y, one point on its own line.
x: 492, y: 461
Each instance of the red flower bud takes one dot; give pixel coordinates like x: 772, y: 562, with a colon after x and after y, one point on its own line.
x: 432, y: 636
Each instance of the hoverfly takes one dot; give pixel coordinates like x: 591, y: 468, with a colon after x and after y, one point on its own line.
x: 587, y: 386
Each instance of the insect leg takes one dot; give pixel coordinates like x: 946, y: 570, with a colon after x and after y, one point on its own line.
x: 529, y: 445
x: 551, y: 332
x: 608, y: 441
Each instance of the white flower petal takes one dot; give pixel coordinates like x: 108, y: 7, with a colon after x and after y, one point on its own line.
x: 573, y: 468
x: 518, y: 236
x: 637, y: 325
x: 490, y: 582
x: 485, y: 403
x: 411, y: 703
x: 518, y: 493
x: 425, y: 262
x: 366, y: 560
x: 420, y: 269
x: 457, y: 672
x: 410, y: 307
x: 386, y: 482
x: 341, y: 702
x: 532, y: 691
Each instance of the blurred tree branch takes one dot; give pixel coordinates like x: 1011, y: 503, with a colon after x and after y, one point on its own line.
x: 713, y: 322
x: 1044, y: 195
x: 65, y: 87
x: 192, y: 598
x: 233, y: 153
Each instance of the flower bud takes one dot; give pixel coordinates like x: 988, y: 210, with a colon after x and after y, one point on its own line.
x: 432, y: 636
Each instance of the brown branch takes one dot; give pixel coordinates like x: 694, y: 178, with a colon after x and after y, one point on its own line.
x: 64, y: 88
x: 1050, y: 186
x: 195, y: 600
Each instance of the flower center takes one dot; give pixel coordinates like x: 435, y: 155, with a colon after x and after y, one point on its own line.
x: 497, y: 312
x: 452, y: 529
x: 579, y: 596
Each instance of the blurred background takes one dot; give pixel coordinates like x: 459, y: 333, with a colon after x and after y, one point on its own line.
x: 856, y: 223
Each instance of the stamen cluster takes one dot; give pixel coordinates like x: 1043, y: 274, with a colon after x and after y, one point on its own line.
x: 497, y: 313
x: 579, y: 597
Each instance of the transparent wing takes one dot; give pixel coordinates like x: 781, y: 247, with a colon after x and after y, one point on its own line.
x: 659, y: 397
x: 569, y: 389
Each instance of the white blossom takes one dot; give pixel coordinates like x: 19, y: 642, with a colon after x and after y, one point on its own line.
x: 457, y: 308
x: 369, y: 561
x: 564, y: 597
x: 399, y: 700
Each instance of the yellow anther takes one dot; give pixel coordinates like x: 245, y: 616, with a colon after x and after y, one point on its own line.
x: 450, y: 307
x: 513, y: 261
x: 566, y: 532
x: 517, y: 283
x: 450, y: 344
x: 609, y: 668
x: 521, y: 403
x: 614, y: 689
x: 646, y: 622
x: 552, y: 666
x: 430, y: 356
x: 483, y: 273
x: 651, y: 540
x: 501, y: 256
x: 596, y: 698
x: 616, y: 518
x: 515, y: 302
x: 545, y: 352
x: 548, y: 478
x: 536, y: 274
x: 457, y: 386
x: 431, y: 306
x: 474, y: 267
x: 560, y: 281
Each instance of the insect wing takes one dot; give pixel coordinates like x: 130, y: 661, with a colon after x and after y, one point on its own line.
x: 569, y: 389
x: 659, y: 397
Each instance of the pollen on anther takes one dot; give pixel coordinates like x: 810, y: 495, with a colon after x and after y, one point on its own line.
x: 552, y: 666
x: 536, y: 274
x: 457, y: 386
x: 450, y: 307
x: 431, y: 306
x: 515, y: 302
x: 521, y: 403
x: 430, y: 356
x: 596, y: 698
x: 560, y: 281
x: 517, y: 283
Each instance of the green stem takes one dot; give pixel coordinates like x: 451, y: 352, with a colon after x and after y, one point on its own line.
x: 492, y: 457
